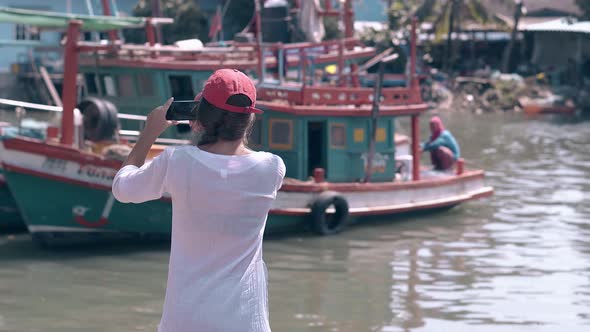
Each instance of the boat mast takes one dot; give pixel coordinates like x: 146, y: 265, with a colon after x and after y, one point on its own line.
x: 69, y: 82
x: 414, y: 89
x: 343, y: 30
x: 106, y: 10
x: 259, y: 41
x: 375, y: 113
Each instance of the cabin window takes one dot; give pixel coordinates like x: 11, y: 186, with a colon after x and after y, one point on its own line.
x: 109, y: 85
x: 338, y: 135
x: 359, y: 135
x: 255, y: 137
x: 381, y: 135
x: 91, y: 87
x: 181, y: 87
x: 145, y: 84
x: 24, y: 32
x: 126, y: 86
x: 281, y: 134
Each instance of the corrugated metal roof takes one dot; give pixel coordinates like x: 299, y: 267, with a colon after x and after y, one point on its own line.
x: 562, y: 25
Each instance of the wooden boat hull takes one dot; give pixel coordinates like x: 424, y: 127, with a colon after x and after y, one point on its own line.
x: 64, y: 191
x: 532, y: 107
x: 10, y: 217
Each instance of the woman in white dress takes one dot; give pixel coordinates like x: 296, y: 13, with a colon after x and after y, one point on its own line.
x: 221, y: 194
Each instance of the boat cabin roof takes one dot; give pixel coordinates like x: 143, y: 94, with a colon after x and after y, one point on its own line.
x: 54, y: 20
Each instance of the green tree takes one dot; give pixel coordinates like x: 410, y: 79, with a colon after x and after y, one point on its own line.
x: 237, y: 16
x: 446, y: 16
x: 189, y: 21
x: 518, y: 12
x: 584, y: 6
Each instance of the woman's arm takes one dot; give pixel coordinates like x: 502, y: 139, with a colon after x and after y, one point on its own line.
x: 155, y: 125
x: 136, y: 181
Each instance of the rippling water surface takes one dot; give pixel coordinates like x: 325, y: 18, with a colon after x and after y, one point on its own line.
x: 519, y: 261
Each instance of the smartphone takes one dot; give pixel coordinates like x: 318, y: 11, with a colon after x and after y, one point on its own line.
x: 182, y: 110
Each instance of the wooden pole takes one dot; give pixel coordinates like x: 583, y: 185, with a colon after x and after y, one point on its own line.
x: 374, y: 118
x: 106, y: 10
x: 150, y: 36
x: 259, y: 41
x: 414, y: 40
x: 375, y: 114
x: 341, y: 44
x: 348, y: 21
x: 69, y: 82
x: 415, y: 92
x: 415, y: 148
x: 157, y: 12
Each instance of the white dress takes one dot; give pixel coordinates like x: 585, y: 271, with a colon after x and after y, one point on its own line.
x: 216, y: 277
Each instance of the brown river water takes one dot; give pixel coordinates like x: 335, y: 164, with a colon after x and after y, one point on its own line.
x: 519, y: 261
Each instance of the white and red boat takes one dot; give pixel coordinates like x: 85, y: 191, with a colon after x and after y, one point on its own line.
x: 344, y: 161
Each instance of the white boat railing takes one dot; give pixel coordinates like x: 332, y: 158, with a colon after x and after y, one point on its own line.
x: 129, y: 134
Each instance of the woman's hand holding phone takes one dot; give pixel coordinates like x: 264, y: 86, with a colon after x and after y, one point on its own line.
x: 156, y: 121
x: 155, y: 124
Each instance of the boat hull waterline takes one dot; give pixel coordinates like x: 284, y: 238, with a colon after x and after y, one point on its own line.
x: 61, y: 190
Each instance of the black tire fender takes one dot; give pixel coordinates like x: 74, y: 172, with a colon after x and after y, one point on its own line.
x: 324, y: 223
x: 100, y: 119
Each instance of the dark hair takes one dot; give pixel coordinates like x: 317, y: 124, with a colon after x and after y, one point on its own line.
x: 223, y: 125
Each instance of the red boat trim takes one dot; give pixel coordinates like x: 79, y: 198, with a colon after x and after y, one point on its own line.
x: 321, y: 110
x: 17, y: 169
x: 210, y: 65
x: 384, y: 211
x: 57, y: 151
x: 381, y: 186
x: 70, y: 154
x: 91, y: 224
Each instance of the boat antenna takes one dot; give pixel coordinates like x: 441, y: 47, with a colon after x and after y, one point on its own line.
x: 375, y: 113
x: 223, y: 11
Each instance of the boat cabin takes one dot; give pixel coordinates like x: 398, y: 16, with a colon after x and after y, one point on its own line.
x: 337, y: 144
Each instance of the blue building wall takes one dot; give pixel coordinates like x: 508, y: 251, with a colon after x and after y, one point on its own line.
x: 10, y: 54
x: 370, y: 10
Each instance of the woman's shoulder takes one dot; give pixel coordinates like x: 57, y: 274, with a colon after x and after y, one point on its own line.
x: 271, y: 159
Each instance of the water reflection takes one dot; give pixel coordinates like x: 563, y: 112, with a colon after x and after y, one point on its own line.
x: 516, y: 262
x: 519, y: 261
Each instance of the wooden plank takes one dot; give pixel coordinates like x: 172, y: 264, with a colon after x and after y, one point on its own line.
x: 50, y: 87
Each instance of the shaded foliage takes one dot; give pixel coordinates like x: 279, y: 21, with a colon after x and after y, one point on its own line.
x: 446, y: 17
x: 189, y: 21
x: 239, y: 13
x: 584, y: 6
x: 332, y: 28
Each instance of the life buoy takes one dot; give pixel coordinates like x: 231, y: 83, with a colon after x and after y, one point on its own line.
x: 100, y: 119
x: 328, y: 223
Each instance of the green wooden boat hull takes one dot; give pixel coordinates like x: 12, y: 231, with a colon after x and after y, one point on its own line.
x: 77, y: 213
x: 10, y: 217
x: 64, y: 193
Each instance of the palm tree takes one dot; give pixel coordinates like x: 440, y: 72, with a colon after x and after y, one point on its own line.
x: 519, y: 10
x: 447, y: 17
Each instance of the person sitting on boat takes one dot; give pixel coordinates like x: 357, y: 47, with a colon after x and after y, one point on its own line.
x: 221, y: 194
x: 443, y: 148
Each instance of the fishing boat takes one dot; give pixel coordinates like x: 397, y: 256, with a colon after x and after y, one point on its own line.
x: 550, y: 104
x: 119, y: 77
x: 10, y: 218
x: 120, y: 82
x: 344, y: 160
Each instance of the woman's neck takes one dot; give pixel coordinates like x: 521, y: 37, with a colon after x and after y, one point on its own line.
x: 228, y: 148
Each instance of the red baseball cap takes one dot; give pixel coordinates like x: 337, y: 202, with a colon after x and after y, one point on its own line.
x: 223, y: 84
